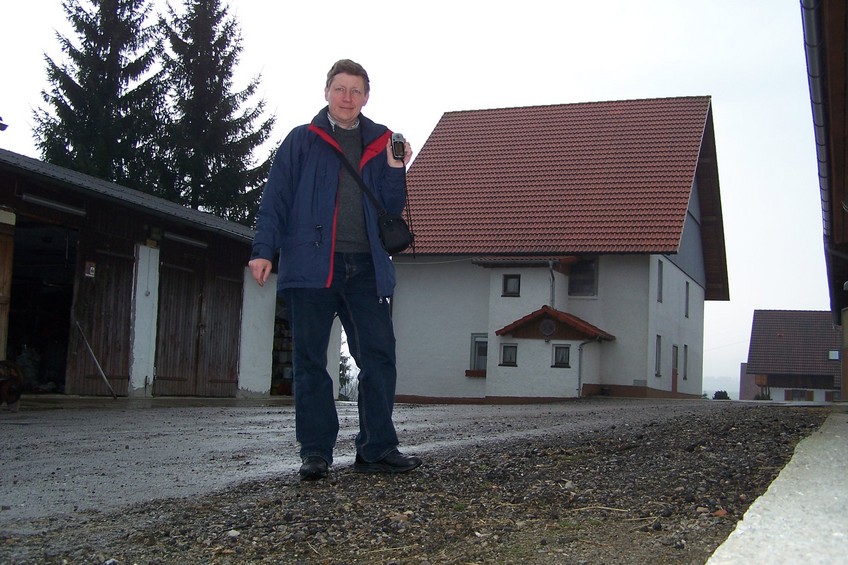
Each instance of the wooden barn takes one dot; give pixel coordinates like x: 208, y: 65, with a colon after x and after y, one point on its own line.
x: 106, y: 290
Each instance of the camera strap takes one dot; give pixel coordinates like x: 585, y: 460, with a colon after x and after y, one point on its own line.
x: 364, y: 188
x: 355, y: 174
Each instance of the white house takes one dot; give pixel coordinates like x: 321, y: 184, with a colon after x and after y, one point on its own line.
x: 561, y: 251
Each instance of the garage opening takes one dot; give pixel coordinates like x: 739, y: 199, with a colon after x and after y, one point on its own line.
x: 44, y: 261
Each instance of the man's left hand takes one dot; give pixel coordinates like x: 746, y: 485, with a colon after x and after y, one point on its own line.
x: 407, y: 154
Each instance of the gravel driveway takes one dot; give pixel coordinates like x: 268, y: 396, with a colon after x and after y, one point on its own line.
x: 70, y: 460
x: 217, y: 483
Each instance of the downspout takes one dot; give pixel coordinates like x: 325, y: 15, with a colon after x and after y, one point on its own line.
x: 553, y: 283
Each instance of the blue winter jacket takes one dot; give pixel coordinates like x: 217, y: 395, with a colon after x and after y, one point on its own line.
x: 299, y: 207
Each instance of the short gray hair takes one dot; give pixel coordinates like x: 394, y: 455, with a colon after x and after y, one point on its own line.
x: 348, y: 67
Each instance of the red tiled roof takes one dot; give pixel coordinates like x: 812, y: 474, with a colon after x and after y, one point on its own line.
x: 582, y: 326
x: 793, y: 342
x: 600, y: 177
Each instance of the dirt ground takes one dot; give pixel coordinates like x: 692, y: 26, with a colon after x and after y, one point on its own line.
x: 590, y: 481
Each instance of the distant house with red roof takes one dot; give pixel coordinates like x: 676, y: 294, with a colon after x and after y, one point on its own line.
x: 561, y: 251
x: 794, y: 356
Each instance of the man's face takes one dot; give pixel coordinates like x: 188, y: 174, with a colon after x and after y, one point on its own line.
x: 346, y: 97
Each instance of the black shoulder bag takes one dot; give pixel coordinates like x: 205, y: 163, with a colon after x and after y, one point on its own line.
x: 395, y: 234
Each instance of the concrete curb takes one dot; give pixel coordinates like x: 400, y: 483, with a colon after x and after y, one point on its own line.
x: 803, y: 516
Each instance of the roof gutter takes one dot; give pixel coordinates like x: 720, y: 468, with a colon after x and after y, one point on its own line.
x: 811, y: 16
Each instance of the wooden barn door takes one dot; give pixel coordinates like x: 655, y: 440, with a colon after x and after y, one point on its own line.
x: 219, y: 336
x: 178, y: 324
x: 198, y: 329
x: 102, y: 308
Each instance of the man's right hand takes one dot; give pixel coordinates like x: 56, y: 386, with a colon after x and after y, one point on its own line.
x: 260, y: 269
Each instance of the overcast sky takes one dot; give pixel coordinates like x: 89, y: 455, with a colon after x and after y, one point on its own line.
x: 427, y: 58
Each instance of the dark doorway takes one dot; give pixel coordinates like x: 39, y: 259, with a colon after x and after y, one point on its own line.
x: 40, y: 303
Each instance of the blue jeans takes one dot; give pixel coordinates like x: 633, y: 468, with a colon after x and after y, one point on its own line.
x: 366, y: 319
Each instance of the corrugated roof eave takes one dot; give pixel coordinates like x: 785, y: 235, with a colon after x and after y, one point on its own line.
x: 105, y: 190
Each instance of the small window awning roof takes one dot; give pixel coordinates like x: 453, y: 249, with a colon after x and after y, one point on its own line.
x: 582, y: 327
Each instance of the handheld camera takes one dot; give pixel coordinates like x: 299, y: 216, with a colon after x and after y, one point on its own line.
x: 398, y: 148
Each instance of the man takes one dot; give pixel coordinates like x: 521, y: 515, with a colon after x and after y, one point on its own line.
x: 332, y: 263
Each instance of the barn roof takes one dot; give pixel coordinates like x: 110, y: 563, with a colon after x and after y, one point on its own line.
x: 82, y: 184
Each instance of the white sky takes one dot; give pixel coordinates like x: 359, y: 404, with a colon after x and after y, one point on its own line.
x: 430, y: 57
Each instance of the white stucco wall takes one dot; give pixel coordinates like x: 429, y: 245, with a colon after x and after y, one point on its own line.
x: 669, y: 320
x: 533, y: 375
x: 535, y: 293
x: 589, y: 362
x: 627, y: 307
x: 621, y: 309
x: 257, y: 336
x: 438, y: 304
x: 144, y: 315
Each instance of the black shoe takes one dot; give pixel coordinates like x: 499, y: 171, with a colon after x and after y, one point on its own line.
x: 394, y: 462
x: 314, y: 468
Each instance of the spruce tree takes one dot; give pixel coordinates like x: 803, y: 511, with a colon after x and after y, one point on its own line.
x: 105, y: 104
x: 215, y: 130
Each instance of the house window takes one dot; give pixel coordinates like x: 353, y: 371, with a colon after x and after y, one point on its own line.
x: 509, y: 355
x: 685, y: 358
x: 686, y: 306
x: 511, y: 285
x: 583, y: 278
x: 479, y: 351
x: 562, y: 356
x: 659, y: 280
x: 658, y: 361
x: 794, y: 395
